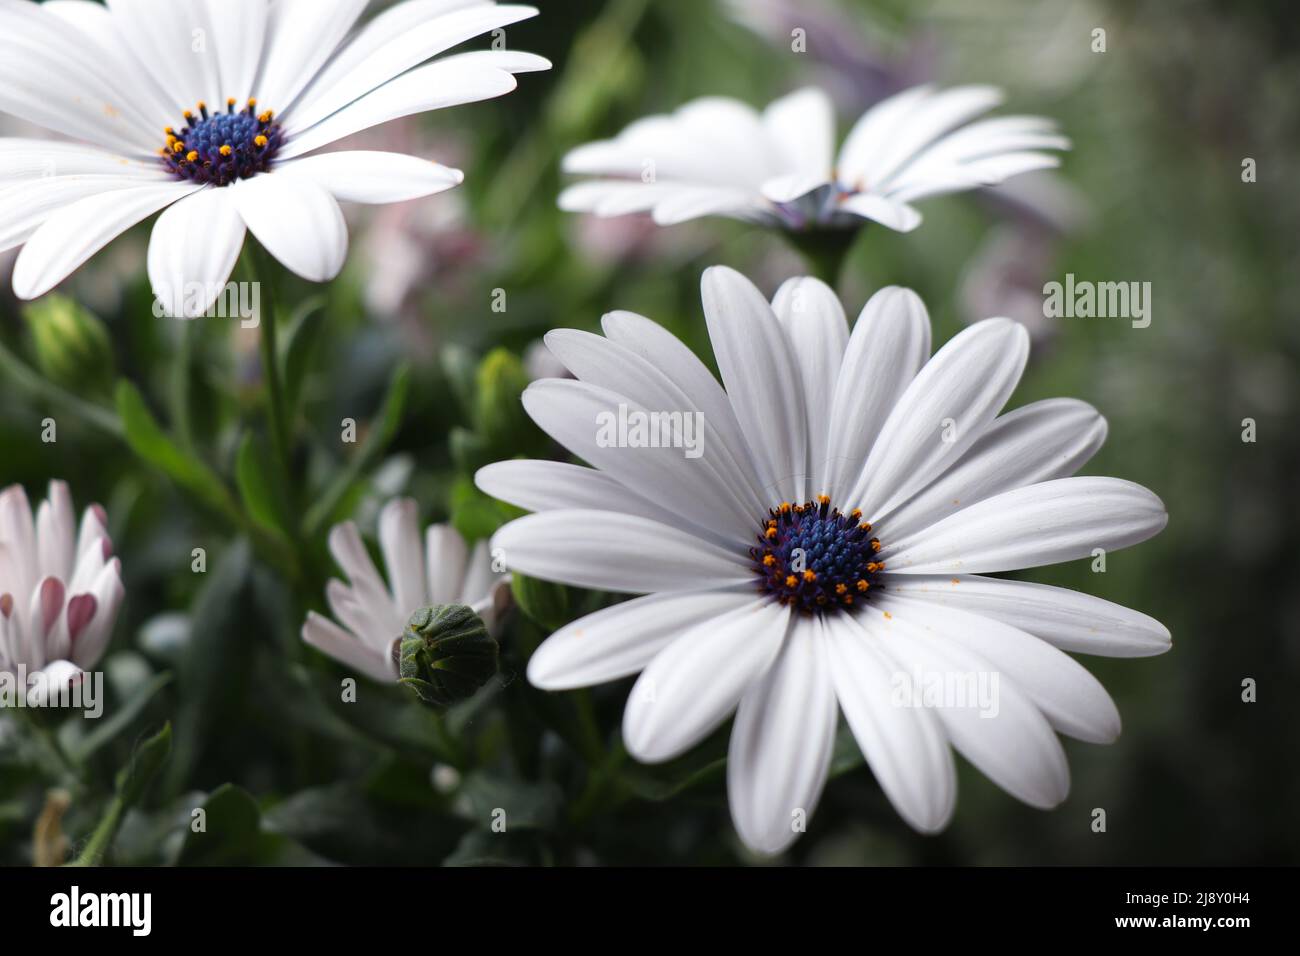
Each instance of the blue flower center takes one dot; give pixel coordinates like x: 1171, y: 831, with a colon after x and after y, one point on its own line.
x: 814, y: 557
x: 219, y: 148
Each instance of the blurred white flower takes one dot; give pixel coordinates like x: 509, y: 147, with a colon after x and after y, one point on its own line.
x: 60, y: 586
x: 374, y: 613
x: 828, y: 544
x: 208, y: 109
x: 719, y: 157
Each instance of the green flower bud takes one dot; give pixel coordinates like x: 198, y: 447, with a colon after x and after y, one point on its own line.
x: 70, y: 344
x: 446, y: 654
x: 501, y: 381
x: 545, y: 602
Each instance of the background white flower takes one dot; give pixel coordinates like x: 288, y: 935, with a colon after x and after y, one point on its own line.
x: 188, y: 105
x: 374, y: 614
x: 718, y: 156
x: 834, y: 535
x: 60, y: 586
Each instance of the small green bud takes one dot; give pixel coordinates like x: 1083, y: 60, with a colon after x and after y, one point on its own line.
x: 501, y: 381
x: 446, y: 654
x: 545, y: 602
x: 70, y: 344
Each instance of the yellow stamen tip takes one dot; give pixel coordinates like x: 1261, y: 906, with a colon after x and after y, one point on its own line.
x: 192, y: 155
x: 824, y: 499
x: 810, y: 575
x: 226, y: 150
x: 260, y: 141
x: 790, y: 581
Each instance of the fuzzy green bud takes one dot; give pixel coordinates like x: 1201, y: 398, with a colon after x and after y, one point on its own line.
x: 446, y: 654
x: 70, y: 344
x: 500, y: 382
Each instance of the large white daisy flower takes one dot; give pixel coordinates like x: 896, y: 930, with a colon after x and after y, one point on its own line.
x: 717, y: 156
x: 825, y: 550
x: 373, y: 614
x: 60, y: 586
x: 209, y: 109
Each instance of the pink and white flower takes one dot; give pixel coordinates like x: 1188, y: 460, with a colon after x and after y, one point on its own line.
x: 60, y: 586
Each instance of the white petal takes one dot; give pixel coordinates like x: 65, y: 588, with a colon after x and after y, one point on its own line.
x: 50, y: 75
x: 174, y: 46
x: 585, y: 418
x: 107, y: 589
x: 373, y: 177
x: 671, y: 356
x: 75, y: 233
x: 942, y: 412
x: 349, y: 551
x: 238, y: 36
x: 323, y: 634
x: 889, y: 212
x: 297, y: 221
x: 1047, y: 523
x: 871, y: 135
x: 34, y: 162
x: 55, y: 531
x: 801, y: 126
x: 193, y: 250
x: 889, y: 345
x: 621, y: 640
x: 1072, y: 700
x: 762, y: 380
x: 696, y: 681
x: 1070, y: 620
x: 781, y: 743
x: 446, y: 556
x: 301, y: 35
x: 1005, y: 737
x: 551, y: 485
x: 25, y: 206
x: 438, y: 85
x: 399, y: 539
x: 611, y: 552
x: 604, y: 363
x: 818, y: 332
x: 904, y: 746
x: 364, y: 65
x: 1039, y: 442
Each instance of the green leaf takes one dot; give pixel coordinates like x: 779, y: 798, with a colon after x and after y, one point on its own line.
x: 476, y: 515
x: 144, y: 766
x: 214, y: 668
x: 132, y: 782
x: 257, y: 489
x: 345, y: 825
x: 387, y: 423
x: 148, y: 440
x: 305, y: 328
x: 490, y: 797
x: 232, y: 830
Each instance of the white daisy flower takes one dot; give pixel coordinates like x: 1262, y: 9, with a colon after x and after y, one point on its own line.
x: 213, y: 110
x: 828, y: 545
x: 60, y: 586
x: 373, y: 614
x: 717, y: 156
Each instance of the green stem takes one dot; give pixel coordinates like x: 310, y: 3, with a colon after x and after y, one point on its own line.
x: 180, y: 391
x: 97, y: 846
x: 255, y: 269
x: 825, y: 251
